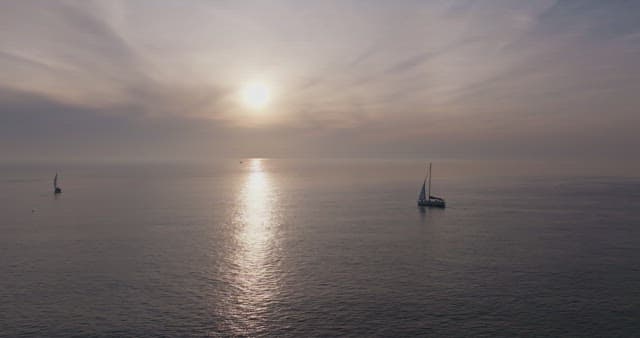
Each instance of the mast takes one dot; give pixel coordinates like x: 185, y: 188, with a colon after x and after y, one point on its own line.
x: 429, y: 181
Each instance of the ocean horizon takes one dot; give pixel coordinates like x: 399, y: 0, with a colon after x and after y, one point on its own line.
x: 319, y: 168
x: 324, y: 247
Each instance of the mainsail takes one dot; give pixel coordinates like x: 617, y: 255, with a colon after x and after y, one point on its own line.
x: 55, y: 182
x: 426, y: 199
x: 423, y: 194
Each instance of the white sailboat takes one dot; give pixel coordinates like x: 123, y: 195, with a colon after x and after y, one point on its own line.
x: 425, y: 199
x: 56, y: 188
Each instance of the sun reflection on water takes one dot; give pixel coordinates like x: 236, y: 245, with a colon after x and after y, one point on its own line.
x: 256, y: 278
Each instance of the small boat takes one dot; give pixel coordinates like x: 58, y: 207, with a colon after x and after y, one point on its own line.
x: 56, y: 188
x: 430, y: 201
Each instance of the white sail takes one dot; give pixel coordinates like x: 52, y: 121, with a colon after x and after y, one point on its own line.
x: 55, y: 181
x: 423, y: 194
x: 426, y: 199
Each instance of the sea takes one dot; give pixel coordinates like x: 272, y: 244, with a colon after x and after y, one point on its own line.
x: 317, y: 247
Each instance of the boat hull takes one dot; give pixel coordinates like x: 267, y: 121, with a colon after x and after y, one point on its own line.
x: 432, y: 203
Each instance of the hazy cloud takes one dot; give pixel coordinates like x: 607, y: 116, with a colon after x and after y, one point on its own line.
x: 160, y: 79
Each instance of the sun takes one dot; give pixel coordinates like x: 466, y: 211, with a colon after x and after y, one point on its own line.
x: 255, y: 95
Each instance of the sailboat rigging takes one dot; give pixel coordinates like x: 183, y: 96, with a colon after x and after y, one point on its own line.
x: 425, y: 199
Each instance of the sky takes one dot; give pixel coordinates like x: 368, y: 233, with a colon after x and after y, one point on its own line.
x: 162, y: 80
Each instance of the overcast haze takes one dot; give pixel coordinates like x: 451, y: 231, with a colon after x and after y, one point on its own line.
x: 160, y: 80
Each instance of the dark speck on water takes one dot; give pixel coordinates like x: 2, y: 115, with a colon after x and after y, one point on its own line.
x: 316, y: 248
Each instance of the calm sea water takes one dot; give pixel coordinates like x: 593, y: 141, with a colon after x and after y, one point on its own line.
x: 313, y: 248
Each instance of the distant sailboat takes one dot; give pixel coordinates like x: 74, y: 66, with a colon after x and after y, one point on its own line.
x: 426, y: 199
x: 56, y: 188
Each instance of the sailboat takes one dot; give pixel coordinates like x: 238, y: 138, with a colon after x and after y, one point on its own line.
x: 430, y: 201
x: 56, y: 188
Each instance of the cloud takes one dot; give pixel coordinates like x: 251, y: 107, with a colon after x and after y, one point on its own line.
x: 464, y: 77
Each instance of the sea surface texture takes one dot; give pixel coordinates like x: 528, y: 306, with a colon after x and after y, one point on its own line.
x: 316, y: 248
